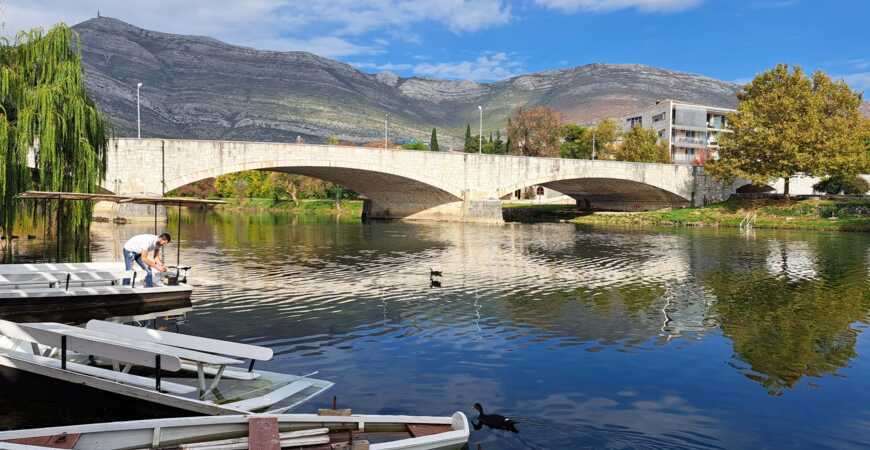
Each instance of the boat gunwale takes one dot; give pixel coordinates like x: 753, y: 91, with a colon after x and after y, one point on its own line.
x: 240, y: 419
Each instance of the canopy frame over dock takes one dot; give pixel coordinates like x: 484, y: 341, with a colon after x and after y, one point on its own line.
x: 138, y: 199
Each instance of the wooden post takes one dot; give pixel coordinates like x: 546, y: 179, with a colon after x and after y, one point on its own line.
x: 57, y: 227
x: 63, y: 352
x: 157, y: 372
x: 178, y: 244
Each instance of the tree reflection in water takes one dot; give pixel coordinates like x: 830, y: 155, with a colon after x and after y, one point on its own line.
x: 794, y: 317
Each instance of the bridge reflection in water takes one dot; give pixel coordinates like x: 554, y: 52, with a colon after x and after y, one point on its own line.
x: 681, y: 339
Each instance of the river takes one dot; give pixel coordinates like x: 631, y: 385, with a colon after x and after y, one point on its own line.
x: 589, y: 338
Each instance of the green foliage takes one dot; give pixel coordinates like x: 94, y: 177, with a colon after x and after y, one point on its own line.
x: 276, y: 185
x: 606, y: 133
x: 415, y: 145
x: 333, y: 140
x: 843, y: 184
x: 575, y: 142
x: 44, y: 108
x: 788, y: 123
x: 642, y: 145
x: 495, y: 146
x: 433, y: 141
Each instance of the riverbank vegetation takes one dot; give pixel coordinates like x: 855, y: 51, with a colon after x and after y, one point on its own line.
x: 256, y: 190
x: 779, y: 213
x: 347, y: 207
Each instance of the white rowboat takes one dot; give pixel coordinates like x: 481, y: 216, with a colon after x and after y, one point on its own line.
x: 298, y: 431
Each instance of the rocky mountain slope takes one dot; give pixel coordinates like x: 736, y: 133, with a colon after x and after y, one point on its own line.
x: 198, y: 87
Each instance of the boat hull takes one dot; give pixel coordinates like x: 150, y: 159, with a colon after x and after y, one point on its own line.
x: 171, y: 432
x: 104, y: 304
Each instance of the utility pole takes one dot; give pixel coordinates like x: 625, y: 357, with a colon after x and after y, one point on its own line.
x: 480, y: 135
x: 386, y: 129
x: 138, y: 115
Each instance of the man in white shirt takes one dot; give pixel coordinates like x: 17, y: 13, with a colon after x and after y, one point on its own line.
x: 144, y: 249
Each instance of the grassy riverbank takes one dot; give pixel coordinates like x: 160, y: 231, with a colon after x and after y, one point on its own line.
x: 311, y: 206
x: 823, y: 215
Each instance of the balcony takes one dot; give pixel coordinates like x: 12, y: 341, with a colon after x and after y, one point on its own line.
x: 682, y: 158
x: 693, y: 142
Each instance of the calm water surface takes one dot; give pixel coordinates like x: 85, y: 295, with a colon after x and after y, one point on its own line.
x: 696, y: 339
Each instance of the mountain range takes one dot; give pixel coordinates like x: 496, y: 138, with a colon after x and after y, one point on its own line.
x: 200, y: 88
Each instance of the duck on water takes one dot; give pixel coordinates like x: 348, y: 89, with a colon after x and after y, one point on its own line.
x: 494, y: 421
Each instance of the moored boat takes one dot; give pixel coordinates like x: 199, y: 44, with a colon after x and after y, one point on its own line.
x: 202, y: 375
x: 36, y: 290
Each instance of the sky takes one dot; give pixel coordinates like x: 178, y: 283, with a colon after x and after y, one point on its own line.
x: 487, y: 40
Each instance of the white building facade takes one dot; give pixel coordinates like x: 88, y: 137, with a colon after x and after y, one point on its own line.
x: 692, y: 131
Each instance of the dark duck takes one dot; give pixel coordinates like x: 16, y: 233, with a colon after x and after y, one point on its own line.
x: 494, y: 421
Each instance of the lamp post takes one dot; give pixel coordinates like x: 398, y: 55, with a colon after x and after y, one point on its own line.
x: 386, y: 129
x: 138, y: 114
x: 480, y: 135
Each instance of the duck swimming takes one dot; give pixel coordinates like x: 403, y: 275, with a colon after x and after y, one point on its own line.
x: 494, y: 421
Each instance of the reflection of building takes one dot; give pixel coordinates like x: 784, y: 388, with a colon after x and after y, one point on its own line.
x: 795, y: 260
x: 539, y: 194
x: 692, y: 131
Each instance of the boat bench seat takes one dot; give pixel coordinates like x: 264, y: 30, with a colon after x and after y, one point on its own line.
x: 267, y: 400
x: 37, y: 292
x: 25, y: 280
x: 107, y: 374
x: 59, y: 279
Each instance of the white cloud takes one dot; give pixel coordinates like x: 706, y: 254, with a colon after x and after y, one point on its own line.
x: 382, y: 67
x: 858, y: 81
x: 573, y: 6
x: 487, y: 67
x: 328, y: 46
x: 330, y: 27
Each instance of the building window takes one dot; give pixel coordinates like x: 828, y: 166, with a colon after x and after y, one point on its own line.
x: 659, y: 117
x: 635, y: 122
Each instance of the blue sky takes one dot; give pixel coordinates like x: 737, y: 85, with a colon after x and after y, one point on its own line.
x: 487, y: 40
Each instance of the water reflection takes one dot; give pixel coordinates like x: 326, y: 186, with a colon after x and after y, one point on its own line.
x: 592, y: 339
x: 794, y: 313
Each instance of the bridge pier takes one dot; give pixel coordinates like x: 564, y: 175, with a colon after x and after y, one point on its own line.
x: 477, y: 211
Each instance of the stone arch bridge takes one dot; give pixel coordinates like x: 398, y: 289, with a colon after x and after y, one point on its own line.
x: 408, y: 184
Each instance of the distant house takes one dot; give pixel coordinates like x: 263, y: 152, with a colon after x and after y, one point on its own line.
x: 692, y: 131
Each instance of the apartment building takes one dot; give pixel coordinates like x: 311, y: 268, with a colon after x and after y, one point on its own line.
x: 692, y: 131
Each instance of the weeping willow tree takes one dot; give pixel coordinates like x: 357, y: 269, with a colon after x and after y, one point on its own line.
x: 52, y: 136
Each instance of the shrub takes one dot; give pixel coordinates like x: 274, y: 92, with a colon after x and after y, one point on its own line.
x: 843, y: 184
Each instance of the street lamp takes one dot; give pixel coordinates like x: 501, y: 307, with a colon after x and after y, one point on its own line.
x: 138, y: 115
x: 386, y: 129
x: 480, y: 136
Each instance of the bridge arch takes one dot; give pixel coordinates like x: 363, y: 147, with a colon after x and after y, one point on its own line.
x: 389, y: 196
x: 616, y: 194
x: 397, y: 183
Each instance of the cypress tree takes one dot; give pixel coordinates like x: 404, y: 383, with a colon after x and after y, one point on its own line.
x: 433, y: 141
x: 44, y: 109
x: 468, y: 142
